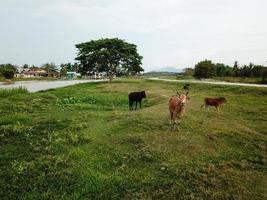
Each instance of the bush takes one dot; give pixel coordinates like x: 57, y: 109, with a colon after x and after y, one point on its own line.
x: 7, y: 71
x: 204, y: 69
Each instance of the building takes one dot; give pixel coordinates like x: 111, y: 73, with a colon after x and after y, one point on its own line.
x: 34, y: 72
x: 71, y: 75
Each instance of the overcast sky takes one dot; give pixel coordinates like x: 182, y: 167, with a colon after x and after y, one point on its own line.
x: 175, y: 33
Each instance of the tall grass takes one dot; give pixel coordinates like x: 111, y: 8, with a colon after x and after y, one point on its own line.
x: 12, y: 91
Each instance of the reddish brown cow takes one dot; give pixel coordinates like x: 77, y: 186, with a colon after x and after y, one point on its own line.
x: 213, y: 102
x: 177, y: 107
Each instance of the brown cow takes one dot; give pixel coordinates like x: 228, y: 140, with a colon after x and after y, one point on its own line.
x: 177, y: 107
x: 213, y: 102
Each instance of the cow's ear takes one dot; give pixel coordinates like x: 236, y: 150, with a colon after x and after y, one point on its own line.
x: 187, y: 97
x: 187, y: 93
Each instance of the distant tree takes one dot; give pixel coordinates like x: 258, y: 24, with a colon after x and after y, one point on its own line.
x: 220, y: 69
x: 204, y: 69
x: 8, y: 70
x: 229, y: 71
x: 68, y: 67
x: 250, y: 69
x: 257, y: 70
x: 223, y: 70
x: 188, y: 71
x: 264, y: 75
x: 25, y: 66
x: 236, y: 69
x: 49, y: 68
x: 246, y: 70
x: 113, y: 56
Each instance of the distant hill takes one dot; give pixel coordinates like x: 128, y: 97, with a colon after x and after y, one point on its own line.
x: 169, y: 69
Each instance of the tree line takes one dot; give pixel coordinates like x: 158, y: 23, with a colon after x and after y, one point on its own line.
x: 208, y: 69
x: 112, y: 56
x: 8, y: 70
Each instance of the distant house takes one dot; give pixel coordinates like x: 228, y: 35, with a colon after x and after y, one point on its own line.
x: 53, y: 74
x: 33, y: 72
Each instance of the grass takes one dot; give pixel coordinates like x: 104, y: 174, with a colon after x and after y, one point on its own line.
x: 13, y: 91
x: 250, y: 80
x: 81, y: 142
x: 240, y: 79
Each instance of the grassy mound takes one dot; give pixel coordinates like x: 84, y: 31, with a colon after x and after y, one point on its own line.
x: 82, y: 142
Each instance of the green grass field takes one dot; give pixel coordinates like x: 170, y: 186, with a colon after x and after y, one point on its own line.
x: 82, y: 142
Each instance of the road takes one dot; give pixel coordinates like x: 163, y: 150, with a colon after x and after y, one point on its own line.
x: 212, y: 82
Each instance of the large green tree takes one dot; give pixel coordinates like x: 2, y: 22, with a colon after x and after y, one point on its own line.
x: 113, y: 56
x: 204, y: 69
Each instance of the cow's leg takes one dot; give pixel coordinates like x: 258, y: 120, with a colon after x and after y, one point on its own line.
x: 135, y: 105
x: 178, y: 119
x: 140, y: 104
x: 174, y: 125
x: 130, y: 105
x: 171, y: 118
x: 174, y: 117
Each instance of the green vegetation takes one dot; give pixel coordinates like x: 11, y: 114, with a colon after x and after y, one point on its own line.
x: 82, y: 142
x: 13, y: 91
x: 7, y: 71
x: 51, y: 69
x: 204, y: 69
x: 207, y: 69
x: 68, y: 67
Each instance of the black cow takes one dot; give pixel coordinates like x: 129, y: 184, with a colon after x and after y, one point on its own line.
x: 136, y: 97
x: 186, y: 86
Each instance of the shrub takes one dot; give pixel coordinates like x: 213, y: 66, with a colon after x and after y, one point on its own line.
x: 204, y: 69
x: 13, y: 91
x: 8, y: 71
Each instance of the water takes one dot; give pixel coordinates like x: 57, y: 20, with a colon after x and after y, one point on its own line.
x: 35, y: 86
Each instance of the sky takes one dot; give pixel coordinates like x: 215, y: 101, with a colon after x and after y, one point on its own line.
x: 176, y: 33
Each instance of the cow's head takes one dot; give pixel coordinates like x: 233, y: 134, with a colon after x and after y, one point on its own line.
x: 183, y: 98
x: 143, y: 94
